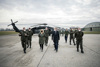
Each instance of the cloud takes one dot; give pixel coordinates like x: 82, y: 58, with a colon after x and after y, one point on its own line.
x: 64, y: 12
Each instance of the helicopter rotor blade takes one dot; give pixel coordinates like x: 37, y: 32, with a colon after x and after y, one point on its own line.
x: 9, y: 24
x: 16, y: 22
x: 11, y: 20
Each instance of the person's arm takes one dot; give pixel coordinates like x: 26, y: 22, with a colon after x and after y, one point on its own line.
x: 27, y: 34
x: 44, y: 35
x: 39, y: 35
x: 82, y: 34
x: 75, y: 35
x: 48, y: 33
x: 58, y: 36
x: 65, y: 32
x: 15, y: 28
x: 20, y: 34
x: 32, y: 33
x: 52, y: 35
x: 68, y: 32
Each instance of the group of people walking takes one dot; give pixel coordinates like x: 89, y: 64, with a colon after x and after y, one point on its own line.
x: 77, y: 36
x: 26, y: 37
x: 44, y: 35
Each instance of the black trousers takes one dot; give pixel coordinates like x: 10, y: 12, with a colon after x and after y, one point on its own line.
x: 56, y: 45
x: 41, y: 46
x: 46, y: 40
x: 24, y: 45
x: 81, y: 45
x: 66, y: 38
x: 73, y: 40
x: 29, y: 43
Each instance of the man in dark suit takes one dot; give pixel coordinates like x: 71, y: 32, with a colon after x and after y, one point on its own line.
x: 55, y: 38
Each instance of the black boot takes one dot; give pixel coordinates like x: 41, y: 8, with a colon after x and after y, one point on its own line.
x: 30, y: 45
x: 56, y: 50
x: 77, y: 50
x: 25, y: 52
x: 82, y: 51
x: 74, y: 44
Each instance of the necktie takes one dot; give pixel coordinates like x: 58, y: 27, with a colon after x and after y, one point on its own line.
x: 55, y: 32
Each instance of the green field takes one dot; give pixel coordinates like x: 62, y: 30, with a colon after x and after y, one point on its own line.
x: 92, y: 32
x: 13, y: 32
x: 7, y: 32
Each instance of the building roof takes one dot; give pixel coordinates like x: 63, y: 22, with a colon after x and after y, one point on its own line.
x: 93, y: 24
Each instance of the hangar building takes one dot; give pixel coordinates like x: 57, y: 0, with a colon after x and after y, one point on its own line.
x: 94, y: 26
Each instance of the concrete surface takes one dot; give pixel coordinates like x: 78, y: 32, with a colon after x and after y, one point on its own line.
x: 11, y: 53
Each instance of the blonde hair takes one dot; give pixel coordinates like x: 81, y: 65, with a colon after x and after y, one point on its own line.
x: 41, y: 30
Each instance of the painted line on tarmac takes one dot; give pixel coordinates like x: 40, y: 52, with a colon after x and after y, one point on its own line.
x: 43, y: 54
x: 91, y: 49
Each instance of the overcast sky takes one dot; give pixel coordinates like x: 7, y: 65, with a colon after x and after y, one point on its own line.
x: 64, y: 13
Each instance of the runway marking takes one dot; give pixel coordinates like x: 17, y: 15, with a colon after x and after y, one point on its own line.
x: 43, y: 54
x: 91, y: 49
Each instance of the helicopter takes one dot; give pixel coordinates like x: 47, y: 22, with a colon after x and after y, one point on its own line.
x: 37, y: 26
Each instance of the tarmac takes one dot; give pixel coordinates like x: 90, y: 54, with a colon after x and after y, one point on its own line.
x: 11, y: 53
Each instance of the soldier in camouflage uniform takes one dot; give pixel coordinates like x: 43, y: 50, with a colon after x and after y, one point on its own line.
x: 23, y: 33
x: 79, y: 38
x: 76, y: 30
x: 30, y: 33
x: 66, y: 35
x: 72, y: 36
x: 46, y: 31
x: 62, y: 32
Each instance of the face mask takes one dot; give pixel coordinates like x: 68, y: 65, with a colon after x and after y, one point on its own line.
x: 79, y: 30
x: 24, y: 30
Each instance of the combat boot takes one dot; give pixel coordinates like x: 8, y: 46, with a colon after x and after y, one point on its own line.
x: 77, y: 50
x: 82, y: 51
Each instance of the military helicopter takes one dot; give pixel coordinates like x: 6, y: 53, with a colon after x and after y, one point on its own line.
x: 37, y: 26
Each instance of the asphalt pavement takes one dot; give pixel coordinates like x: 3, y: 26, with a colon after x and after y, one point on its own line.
x: 11, y: 53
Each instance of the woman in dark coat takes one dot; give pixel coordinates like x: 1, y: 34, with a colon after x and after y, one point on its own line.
x: 41, y: 39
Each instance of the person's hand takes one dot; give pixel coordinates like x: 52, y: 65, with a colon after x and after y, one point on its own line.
x: 19, y: 34
x: 25, y: 34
